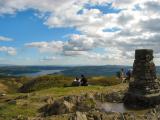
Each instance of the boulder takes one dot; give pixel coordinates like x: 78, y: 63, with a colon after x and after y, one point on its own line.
x: 69, y: 104
x: 80, y: 116
x: 110, y: 97
x: 12, y: 102
x: 59, y: 107
x: 115, y: 97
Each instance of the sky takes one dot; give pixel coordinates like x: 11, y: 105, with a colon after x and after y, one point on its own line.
x: 77, y: 32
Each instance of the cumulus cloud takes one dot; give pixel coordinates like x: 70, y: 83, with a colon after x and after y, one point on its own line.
x: 79, y: 43
x: 151, y: 25
x: 136, y: 25
x: 2, y: 38
x: 54, y: 46
x: 8, y: 50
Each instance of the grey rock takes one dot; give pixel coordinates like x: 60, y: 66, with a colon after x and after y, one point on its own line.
x: 12, y: 102
x: 144, y: 91
x: 80, y: 116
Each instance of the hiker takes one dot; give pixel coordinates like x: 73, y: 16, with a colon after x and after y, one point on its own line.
x: 84, y: 81
x: 76, y: 82
x: 122, y: 75
x: 128, y: 75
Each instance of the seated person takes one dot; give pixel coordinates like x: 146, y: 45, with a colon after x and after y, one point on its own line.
x: 76, y: 82
x: 84, y: 81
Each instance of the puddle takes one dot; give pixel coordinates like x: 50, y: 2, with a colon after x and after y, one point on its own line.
x: 117, y: 107
x: 113, y: 107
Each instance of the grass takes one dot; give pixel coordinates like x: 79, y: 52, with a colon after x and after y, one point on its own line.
x: 57, y: 92
x: 3, y: 88
x: 12, y: 83
x: 29, y: 107
x: 50, y: 81
x: 41, y: 88
x: 46, y: 82
x: 9, y: 112
x: 104, y: 81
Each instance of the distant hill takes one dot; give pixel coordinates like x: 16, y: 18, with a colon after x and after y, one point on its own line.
x: 15, y: 70
x: 108, y: 70
x: 2, y: 65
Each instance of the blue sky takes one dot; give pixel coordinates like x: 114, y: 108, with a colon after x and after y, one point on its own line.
x: 82, y: 33
x: 24, y: 27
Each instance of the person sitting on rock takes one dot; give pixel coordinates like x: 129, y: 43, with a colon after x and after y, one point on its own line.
x: 84, y: 81
x: 76, y: 82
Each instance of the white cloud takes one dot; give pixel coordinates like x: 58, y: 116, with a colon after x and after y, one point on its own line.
x: 2, y: 38
x: 8, y: 50
x: 137, y: 23
x: 54, y: 46
x: 79, y: 43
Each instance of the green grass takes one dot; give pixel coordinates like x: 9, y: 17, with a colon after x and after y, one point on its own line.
x: 30, y: 106
x: 104, y: 81
x: 50, y: 81
x: 9, y: 112
x: 41, y: 88
x: 13, y: 83
x: 46, y: 82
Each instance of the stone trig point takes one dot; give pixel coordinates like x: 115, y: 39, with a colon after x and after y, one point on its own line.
x: 144, y: 90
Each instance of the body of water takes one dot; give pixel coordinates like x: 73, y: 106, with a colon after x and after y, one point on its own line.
x: 113, y: 107
x: 41, y: 73
x: 118, y: 107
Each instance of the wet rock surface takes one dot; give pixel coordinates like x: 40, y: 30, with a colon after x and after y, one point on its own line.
x: 82, y: 103
x: 69, y: 104
x: 84, y: 107
x: 153, y: 114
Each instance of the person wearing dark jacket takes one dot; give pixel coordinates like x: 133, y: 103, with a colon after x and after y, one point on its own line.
x: 128, y: 75
x: 84, y: 81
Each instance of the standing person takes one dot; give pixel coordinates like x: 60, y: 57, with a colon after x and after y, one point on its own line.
x: 128, y: 75
x: 84, y: 81
x: 122, y: 75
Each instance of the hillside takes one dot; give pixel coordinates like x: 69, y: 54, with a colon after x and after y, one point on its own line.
x: 23, y: 106
x: 16, y: 70
x: 49, y: 81
x: 3, y: 88
x: 52, y: 97
x: 108, y: 70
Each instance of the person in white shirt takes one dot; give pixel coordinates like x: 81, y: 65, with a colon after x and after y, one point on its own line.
x: 76, y: 82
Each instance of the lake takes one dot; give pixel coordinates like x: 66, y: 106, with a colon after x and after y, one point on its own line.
x: 118, y: 107
x: 41, y: 73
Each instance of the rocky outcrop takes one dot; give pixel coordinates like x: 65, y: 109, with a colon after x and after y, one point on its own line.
x: 95, y: 115
x: 58, y: 107
x: 69, y: 104
x: 4, y: 89
x: 153, y: 114
x: 83, y: 107
x: 116, y: 97
x: 82, y: 103
x: 80, y: 116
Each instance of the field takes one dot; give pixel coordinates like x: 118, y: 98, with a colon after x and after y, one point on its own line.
x: 39, y: 91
